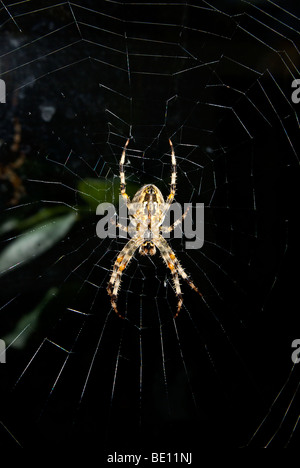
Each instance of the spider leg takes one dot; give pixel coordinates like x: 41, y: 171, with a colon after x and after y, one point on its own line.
x: 129, y: 229
x: 120, y: 264
x: 173, y: 264
x: 173, y: 174
x: 178, y: 291
x: 119, y: 226
x: 174, y: 225
x: 122, y: 173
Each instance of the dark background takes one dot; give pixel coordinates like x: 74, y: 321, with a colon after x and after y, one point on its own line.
x: 216, y: 78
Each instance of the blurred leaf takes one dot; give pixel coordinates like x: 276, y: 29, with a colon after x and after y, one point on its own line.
x: 35, y: 242
x: 9, y: 225
x: 28, y: 324
x: 95, y: 191
x: 13, y: 224
x: 41, y: 215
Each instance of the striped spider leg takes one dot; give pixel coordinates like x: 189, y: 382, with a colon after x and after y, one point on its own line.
x: 173, y: 264
x: 120, y: 264
x: 147, y: 211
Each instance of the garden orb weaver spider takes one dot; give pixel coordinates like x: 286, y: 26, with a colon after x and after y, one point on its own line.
x: 147, y: 211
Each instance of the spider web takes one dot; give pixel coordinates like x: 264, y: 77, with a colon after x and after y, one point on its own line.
x: 80, y: 79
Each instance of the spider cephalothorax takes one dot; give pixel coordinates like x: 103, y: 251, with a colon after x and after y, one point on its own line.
x: 147, y: 212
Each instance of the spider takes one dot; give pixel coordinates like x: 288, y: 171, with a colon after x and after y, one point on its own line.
x: 147, y: 211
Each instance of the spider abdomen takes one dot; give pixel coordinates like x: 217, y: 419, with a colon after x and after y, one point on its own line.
x: 148, y: 248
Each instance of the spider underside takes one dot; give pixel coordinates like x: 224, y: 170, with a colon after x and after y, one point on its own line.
x: 147, y: 212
